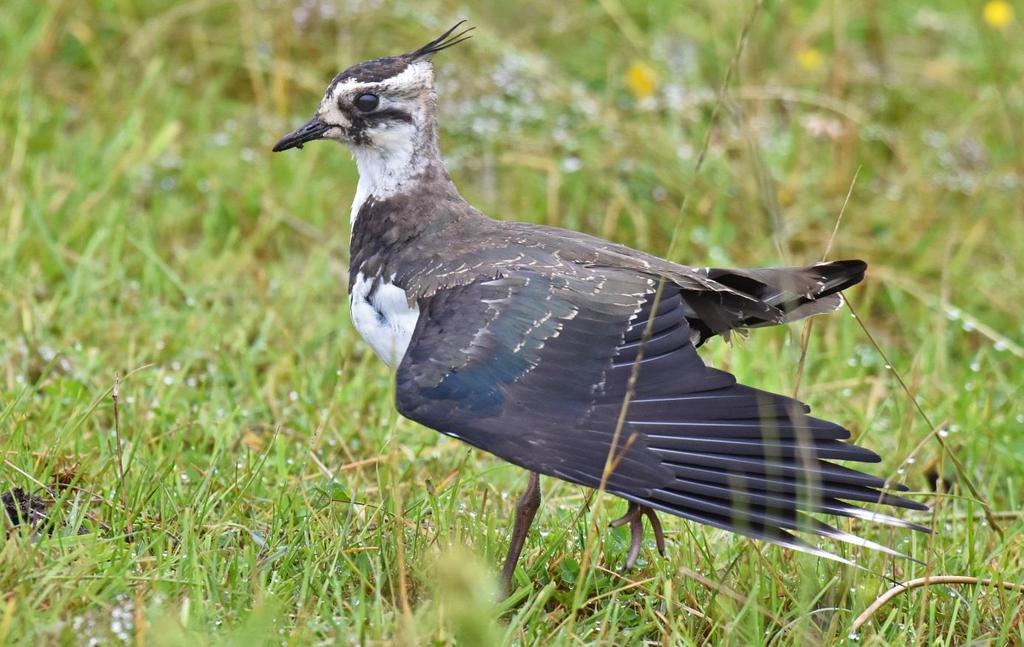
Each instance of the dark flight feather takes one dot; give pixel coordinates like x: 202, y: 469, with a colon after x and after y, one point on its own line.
x: 542, y: 363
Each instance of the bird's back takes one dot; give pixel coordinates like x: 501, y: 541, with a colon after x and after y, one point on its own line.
x: 453, y: 244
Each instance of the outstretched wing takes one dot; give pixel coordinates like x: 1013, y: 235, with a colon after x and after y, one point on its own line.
x: 534, y: 368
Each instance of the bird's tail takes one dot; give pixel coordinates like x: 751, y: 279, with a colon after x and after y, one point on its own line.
x: 796, y: 291
x: 781, y: 295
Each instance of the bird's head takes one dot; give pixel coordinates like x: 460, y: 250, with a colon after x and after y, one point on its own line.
x: 379, y: 105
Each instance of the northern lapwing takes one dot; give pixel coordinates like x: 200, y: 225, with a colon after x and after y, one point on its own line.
x: 574, y: 357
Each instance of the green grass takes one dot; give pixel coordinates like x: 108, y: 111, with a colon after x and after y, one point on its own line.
x: 264, y: 490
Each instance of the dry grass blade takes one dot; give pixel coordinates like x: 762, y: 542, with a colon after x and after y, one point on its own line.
x: 928, y: 581
x: 115, y: 398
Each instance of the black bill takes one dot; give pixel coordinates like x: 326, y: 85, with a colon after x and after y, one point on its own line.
x: 312, y: 129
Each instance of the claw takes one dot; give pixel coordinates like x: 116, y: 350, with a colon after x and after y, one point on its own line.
x: 631, y: 515
x: 635, y: 518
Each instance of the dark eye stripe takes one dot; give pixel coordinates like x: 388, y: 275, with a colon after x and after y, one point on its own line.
x: 389, y: 114
x: 361, y: 122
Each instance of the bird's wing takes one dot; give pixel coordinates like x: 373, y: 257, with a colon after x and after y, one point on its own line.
x: 534, y: 368
x: 720, y: 299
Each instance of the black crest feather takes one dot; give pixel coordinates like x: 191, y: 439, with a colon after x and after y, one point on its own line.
x: 444, y: 41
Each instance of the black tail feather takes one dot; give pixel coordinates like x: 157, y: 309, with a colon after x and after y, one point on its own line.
x: 774, y: 295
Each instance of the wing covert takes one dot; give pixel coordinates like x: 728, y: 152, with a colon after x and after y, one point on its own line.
x: 517, y: 366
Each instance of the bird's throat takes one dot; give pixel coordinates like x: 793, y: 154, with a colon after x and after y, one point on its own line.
x: 394, y: 163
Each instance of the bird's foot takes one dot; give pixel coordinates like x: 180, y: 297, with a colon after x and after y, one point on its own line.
x: 635, y: 518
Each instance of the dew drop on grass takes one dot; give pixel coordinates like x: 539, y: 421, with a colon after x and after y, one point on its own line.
x: 571, y: 164
x: 1000, y: 346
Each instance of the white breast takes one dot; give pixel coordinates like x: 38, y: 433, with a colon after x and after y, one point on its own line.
x: 384, y: 319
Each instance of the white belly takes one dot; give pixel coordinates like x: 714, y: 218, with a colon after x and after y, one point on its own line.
x: 384, y: 319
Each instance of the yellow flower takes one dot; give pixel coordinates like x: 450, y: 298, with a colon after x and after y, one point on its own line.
x: 809, y: 58
x: 641, y: 80
x: 998, y: 13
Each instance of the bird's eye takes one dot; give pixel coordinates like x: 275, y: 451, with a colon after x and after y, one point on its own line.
x: 367, y: 102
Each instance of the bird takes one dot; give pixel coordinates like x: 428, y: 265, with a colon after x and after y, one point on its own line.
x: 574, y: 357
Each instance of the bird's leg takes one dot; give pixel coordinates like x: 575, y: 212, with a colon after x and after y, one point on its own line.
x: 526, y: 510
x: 635, y: 518
x: 659, y: 536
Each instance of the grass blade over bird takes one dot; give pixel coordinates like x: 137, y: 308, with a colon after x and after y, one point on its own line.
x: 521, y: 340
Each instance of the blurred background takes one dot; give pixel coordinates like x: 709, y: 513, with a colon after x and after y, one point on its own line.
x: 153, y: 249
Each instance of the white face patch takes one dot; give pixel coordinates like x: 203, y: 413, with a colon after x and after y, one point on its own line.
x: 414, y: 77
x: 384, y: 319
x: 393, y: 153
